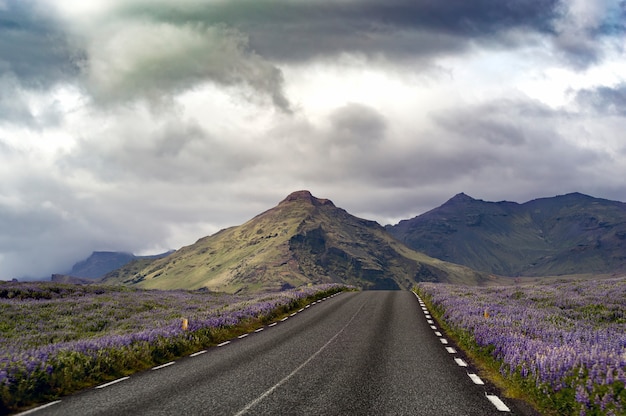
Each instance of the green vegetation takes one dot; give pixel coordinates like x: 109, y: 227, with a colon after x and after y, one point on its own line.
x: 58, y: 338
x: 559, y: 346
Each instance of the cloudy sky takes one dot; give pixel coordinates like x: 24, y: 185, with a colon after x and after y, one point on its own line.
x: 143, y: 125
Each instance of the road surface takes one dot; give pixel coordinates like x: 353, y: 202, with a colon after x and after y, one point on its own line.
x: 358, y: 353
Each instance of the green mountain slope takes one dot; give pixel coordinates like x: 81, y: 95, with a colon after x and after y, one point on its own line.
x: 302, y: 240
x: 566, y: 234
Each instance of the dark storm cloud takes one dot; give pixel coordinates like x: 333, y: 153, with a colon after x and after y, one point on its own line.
x: 604, y: 100
x: 357, y: 124
x: 290, y: 30
x: 33, y: 45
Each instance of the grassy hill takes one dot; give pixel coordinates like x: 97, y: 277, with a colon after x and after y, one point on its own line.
x: 303, y: 240
x: 567, y: 234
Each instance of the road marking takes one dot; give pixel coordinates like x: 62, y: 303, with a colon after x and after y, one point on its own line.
x: 430, y: 321
x: 158, y: 367
x: 460, y: 362
x: 433, y: 327
x: 307, y: 306
x: 223, y: 343
x: 476, y: 379
x: 259, y: 330
x: 301, y: 310
x: 297, y: 369
x: 451, y: 350
x: 428, y: 316
x: 284, y: 319
x: 243, y: 336
x: 273, y: 324
x: 293, y: 314
x: 195, y: 354
x: 443, y: 340
x: 112, y: 382
x: 499, y: 404
x: 36, y: 409
x: 438, y: 333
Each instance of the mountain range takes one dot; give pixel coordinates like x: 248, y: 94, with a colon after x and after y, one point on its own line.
x: 303, y: 240
x: 566, y: 234
x: 306, y: 240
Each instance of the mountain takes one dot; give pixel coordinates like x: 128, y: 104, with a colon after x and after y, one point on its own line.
x: 100, y: 263
x: 302, y: 240
x: 566, y: 234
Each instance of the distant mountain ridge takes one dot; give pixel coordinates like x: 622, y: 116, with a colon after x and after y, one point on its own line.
x: 99, y: 263
x: 303, y: 240
x: 566, y: 234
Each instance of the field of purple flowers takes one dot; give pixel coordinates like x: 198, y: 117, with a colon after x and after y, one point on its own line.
x: 565, y: 342
x: 56, y: 338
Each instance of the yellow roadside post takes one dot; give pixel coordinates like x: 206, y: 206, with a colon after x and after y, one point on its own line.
x: 185, y: 324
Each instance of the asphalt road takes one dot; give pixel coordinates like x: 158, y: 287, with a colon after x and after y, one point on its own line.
x: 358, y: 353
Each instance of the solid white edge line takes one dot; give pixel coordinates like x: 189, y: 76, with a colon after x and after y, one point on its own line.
x: 460, y: 362
x: 36, y: 409
x: 476, y: 379
x: 112, y: 382
x: 195, y: 354
x: 223, y: 343
x: 499, y: 404
x: 158, y: 367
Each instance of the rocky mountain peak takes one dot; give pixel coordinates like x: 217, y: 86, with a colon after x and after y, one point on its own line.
x: 461, y: 198
x: 305, y: 196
